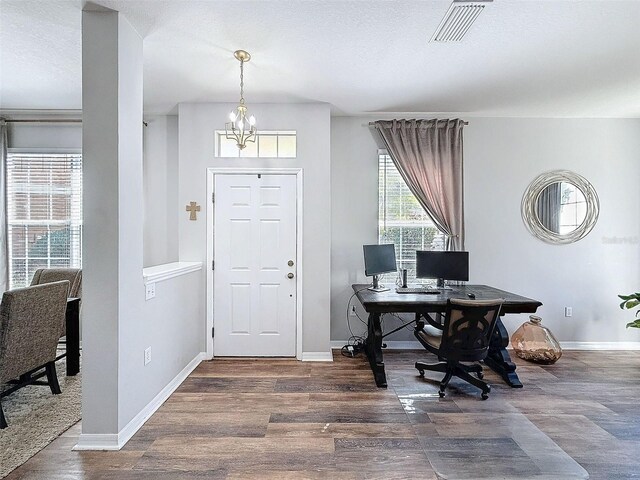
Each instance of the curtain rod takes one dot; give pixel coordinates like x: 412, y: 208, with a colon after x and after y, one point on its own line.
x: 53, y: 120
x: 42, y: 120
x: 371, y: 124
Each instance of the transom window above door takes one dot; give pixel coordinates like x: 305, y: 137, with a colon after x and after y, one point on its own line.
x: 268, y: 144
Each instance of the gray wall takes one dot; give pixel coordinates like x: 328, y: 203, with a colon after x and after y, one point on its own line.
x: 501, y: 157
x: 160, y: 167
x: 160, y: 190
x: 197, y: 124
x: 50, y: 137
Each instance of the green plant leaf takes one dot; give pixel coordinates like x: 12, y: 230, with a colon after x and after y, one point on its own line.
x: 632, y: 303
x: 629, y: 297
x: 634, y: 324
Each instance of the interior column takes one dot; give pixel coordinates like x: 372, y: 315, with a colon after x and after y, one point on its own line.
x: 113, y: 290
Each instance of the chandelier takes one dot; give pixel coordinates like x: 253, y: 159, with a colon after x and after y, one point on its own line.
x: 240, y: 128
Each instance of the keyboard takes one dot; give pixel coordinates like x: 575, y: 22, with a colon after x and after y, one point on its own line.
x: 417, y: 290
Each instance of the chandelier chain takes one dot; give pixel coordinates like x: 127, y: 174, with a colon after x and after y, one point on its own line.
x: 241, y: 82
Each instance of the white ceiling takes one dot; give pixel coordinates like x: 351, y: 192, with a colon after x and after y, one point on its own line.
x: 521, y: 58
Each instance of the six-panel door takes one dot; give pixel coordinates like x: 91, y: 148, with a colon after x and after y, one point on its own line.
x: 255, y: 272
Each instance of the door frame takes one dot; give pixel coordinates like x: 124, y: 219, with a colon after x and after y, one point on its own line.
x: 211, y: 173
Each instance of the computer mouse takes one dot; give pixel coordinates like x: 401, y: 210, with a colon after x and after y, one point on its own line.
x: 471, y: 295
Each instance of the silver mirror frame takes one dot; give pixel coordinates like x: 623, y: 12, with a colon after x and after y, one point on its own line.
x: 529, y: 203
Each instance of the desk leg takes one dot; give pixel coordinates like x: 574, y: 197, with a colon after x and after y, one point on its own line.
x: 498, y: 358
x: 72, y: 319
x: 373, y: 349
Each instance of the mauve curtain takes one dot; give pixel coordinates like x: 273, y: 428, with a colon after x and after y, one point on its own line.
x: 4, y: 244
x: 428, y: 155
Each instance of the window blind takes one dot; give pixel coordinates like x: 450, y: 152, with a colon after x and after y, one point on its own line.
x: 401, y: 219
x: 44, y: 213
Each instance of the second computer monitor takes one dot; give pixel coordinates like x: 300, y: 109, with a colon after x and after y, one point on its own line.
x: 442, y: 266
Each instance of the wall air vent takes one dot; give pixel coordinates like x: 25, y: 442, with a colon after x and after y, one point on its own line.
x: 458, y: 20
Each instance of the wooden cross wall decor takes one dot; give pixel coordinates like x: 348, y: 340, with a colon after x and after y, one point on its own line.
x: 192, y: 208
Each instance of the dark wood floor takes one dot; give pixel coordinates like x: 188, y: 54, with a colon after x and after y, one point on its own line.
x: 285, y: 419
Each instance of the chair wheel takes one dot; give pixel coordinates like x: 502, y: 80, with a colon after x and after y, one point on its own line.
x: 421, y: 372
x: 480, y: 375
x: 441, y: 393
x: 485, y: 396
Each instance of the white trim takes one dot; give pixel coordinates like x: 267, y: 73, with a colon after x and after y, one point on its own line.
x: 112, y: 441
x: 298, y: 172
x: 255, y: 170
x: 97, y: 441
x: 299, y: 230
x: 317, y: 356
x: 158, y: 273
x: 391, y: 345
x: 210, y: 210
x: 600, y: 345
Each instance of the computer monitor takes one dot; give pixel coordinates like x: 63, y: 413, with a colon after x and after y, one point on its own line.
x: 442, y: 266
x: 379, y: 259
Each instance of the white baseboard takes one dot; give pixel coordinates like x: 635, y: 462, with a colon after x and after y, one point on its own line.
x: 415, y: 345
x: 600, y: 345
x: 317, y: 356
x: 97, y: 441
x: 391, y: 345
x: 111, y: 441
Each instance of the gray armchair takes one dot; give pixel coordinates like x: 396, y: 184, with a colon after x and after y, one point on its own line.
x: 48, y: 275
x: 31, y: 322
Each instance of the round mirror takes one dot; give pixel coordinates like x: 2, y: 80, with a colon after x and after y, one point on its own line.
x: 560, y: 207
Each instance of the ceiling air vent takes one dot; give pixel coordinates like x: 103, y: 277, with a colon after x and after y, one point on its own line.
x: 458, y: 20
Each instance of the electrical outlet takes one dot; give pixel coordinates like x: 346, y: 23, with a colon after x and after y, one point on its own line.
x: 352, y: 312
x: 149, y: 291
x: 568, y: 311
x: 147, y: 356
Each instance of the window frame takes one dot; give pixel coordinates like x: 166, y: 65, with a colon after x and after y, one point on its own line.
x: 219, y: 134
x: 425, y: 223
x: 37, y: 152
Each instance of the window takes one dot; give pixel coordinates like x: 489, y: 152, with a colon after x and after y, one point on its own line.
x: 268, y: 144
x: 573, y: 208
x: 44, y: 213
x: 401, y: 219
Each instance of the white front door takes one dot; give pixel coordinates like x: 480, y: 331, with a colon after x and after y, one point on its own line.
x: 254, y: 294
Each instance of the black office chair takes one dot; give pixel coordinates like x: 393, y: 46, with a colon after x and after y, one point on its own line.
x: 466, y: 333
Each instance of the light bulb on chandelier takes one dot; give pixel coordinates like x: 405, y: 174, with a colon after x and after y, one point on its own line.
x: 239, y: 128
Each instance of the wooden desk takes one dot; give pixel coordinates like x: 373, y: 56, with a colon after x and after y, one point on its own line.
x: 376, y: 304
x: 72, y: 319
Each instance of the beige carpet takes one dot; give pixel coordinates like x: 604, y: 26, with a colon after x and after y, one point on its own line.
x: 36, y: 418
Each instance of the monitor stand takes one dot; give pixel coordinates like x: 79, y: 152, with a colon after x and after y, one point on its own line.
x: 376, y: 285
x: 440, y: 285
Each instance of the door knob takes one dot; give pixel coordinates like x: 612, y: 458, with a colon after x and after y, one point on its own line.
x: 290, y: 263
x: 290, y: 275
